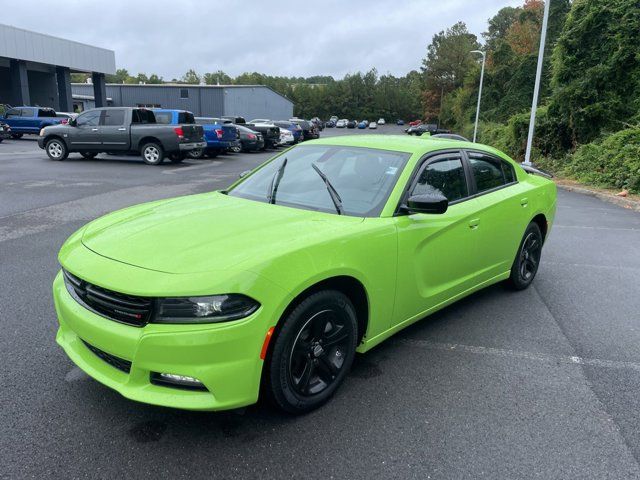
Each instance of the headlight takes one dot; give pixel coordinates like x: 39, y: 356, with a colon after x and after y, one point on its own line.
x: 213, y: 309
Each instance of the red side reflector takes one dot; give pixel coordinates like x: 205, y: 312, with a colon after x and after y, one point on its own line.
x: 265, y: 345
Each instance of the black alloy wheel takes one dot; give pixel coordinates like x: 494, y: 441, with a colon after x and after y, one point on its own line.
x: 313, y: 352
x: 527, y: 261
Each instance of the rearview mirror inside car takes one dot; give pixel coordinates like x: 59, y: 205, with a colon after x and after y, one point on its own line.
x: 427, y: 203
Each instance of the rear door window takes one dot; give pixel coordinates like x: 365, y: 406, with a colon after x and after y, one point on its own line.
x: 490, y: 172
x: 113, y: 117
x: 142, y: 116
x: 45, y: 112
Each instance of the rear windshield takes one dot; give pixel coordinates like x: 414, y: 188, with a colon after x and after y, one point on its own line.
x: 186, y: 117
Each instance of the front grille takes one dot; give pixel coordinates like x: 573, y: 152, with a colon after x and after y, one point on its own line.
x: 116, y: 362
x: 116, y: 306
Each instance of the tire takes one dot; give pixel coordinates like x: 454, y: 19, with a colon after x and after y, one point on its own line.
x: 89, y: 155
x: 152, y: 153
x: 196, y: 153
x: 525, y: 266
x: 16, y: 136
x: 302, y: 373
x: 236, y: 149
x: 56, y: 149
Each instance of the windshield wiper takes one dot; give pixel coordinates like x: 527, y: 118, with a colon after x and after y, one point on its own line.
x: 337, y: 201
x: 273, y: 187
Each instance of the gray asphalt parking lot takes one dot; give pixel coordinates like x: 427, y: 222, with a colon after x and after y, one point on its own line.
x: 536, y: 384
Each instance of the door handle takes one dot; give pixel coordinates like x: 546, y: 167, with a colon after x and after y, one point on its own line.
x: 524, y: 202
x: 473, y: 224
x: 94, y: 129
x: 122, y: 129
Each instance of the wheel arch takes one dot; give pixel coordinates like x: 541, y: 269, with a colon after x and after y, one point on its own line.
x: 149, y: 139
x: 541, y: 220
x: 55, y: 136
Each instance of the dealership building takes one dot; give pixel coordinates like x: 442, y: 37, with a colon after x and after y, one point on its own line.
x: 249, y: 101
x: 35, y: 69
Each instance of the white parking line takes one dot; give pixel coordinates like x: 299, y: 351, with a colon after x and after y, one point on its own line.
x: 500, y: 352
x: 173, y: 171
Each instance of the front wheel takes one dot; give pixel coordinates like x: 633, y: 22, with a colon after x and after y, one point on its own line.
x: 525, y: 266
x: 152, y: 154
x: 313, y: 352
x: 57, y: 149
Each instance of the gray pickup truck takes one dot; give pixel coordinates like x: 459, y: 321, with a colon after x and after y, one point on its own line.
x: 121, y: 130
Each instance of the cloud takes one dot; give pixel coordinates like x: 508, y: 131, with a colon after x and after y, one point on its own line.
x: 327, y: 37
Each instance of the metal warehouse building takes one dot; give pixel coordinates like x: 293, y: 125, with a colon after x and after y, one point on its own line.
x: 35, y: 68
x: 249, y: 101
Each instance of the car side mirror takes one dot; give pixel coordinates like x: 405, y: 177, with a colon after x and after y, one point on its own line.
x: 427, y: 203
x: 72, y: 122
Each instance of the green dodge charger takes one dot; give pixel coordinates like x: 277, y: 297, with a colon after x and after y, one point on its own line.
x: 207, y: 302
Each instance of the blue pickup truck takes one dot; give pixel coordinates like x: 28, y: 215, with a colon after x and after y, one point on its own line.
x: 219, y: 137
x: 29, y: 120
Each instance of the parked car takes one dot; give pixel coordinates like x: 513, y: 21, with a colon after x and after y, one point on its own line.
x: 373, y: 125
x: 381, y: 121
x: 250, y: 140
x: 220, y: 137
x: 122, y: 130
x: 286, y: 138
x: 207, y: 301
x: 66, y: 116
x: 329, y: 124
x: 342, y: 123
x: 352, y: 124
x: 363, y: 124
x: 450, y: 136
x: 399, y: 122
x: 234, y: 120
x: 29, y: 120
x: 318, y: 123
x: 419, y: 130
x: 293, y: 127
x: 415, y: 123
x: 333, y: 119
x: 270, y: 133
x: 5, y: 131
x: 309, y: 129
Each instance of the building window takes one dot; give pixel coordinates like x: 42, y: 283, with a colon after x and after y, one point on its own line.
x: 184, y: 93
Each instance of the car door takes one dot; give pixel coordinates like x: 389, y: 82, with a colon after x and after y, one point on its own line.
x: 502, y: 212
x: 113, y: 131
x: 437, y: 255
x: 86, y: 134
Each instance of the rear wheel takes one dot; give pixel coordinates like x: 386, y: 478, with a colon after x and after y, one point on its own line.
x: 313, y: 352
x: 525, y: 266
x: 152, y: 154
x: 89, y: 155
x: 56, y: 149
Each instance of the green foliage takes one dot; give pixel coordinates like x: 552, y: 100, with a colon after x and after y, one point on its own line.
x: 191, y: 77
x: 596, y: 69
x: 613, y: 162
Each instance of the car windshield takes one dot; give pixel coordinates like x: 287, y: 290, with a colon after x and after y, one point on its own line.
x: 363, y: 178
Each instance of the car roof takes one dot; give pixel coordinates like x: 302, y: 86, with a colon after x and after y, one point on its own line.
x: 402, y: 143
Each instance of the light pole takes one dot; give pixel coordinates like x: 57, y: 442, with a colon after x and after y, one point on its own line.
x: 536, y: 88
x: 475, y: 128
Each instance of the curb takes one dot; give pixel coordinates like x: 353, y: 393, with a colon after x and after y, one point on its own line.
x: 607, y: 197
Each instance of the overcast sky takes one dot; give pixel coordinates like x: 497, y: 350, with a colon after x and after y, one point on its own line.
x: 300, y: 38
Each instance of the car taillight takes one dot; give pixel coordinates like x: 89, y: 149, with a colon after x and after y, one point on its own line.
x: 219, y: 132
x: 251, y: 136
x: 179, y: 132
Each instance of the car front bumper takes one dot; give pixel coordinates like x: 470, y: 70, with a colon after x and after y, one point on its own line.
x: 225, y: 357
x: 185, y: 147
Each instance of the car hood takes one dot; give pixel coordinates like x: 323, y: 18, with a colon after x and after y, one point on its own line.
x: 209, y: 232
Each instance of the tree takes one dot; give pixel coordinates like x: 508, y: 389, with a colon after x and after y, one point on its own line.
x: 153, y: 78
x: 191, y: 77
x: 596, y: 69
x: 217, y: 78
x: 121, y: 76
